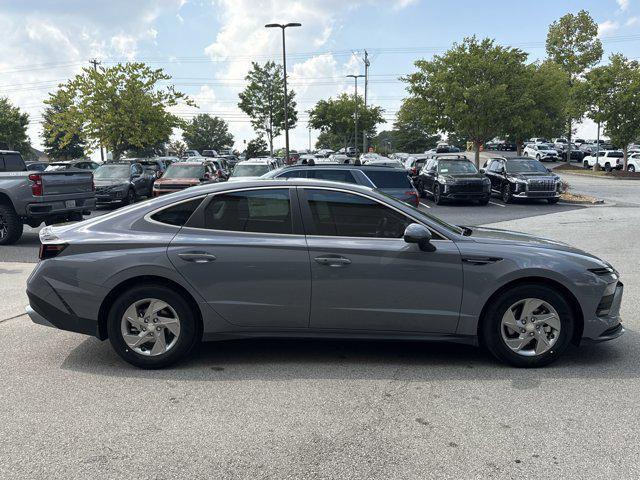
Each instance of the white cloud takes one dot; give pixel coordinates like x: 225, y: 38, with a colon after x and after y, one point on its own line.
x: 607, y: 27
x: 399, y: 4
x: 632, y: 21
x: 623, y: 4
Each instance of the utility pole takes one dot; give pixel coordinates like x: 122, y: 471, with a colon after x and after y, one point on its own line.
x: 284, y: 65
x: 597, y: 164
x: 355, y: 136
x: 309, y: 138
x: 366, y: 89
x: 95, y: 63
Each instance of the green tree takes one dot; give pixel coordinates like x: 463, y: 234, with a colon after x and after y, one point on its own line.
x: 205, y: 132
x: 542, y: 100
x: 120, y: 107
x: 59, y: 102
x: 573, y: 43
x: 256, y: 148
x: 470, y: 90
x: 614, y: 90
x: 177, y: 148
x: 328, y: 140
x: 411, y: 131
x: 13, y: 127
x: 263, y: 101
x: 336, y: 117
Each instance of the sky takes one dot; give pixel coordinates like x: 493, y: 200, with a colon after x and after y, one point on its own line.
x: 207, y: 45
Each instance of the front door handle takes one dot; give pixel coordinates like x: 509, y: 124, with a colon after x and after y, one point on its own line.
x: 333, y: 261
x: 197, y: 257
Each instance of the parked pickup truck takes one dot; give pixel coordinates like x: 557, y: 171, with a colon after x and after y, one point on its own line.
x: 33, y: 197
x: 607, y: 159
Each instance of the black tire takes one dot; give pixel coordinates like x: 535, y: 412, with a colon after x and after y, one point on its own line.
x: 607, y: 167
x: 190, y: 327
x: 585, y: 164
x: 437, y: 197
x: 10, y: 225
x: 552, y: 200
x: 490, y: 330
x: 420, y: 188
x: 538, y: 157
x: 129, y: 198
x: 484, y: 201
x: 507, y: 196
x: 631, y: 168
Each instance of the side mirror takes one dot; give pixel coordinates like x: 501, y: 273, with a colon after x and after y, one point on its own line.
x: 549, y: 170
x: 482, y: 170
x: 416, y: 233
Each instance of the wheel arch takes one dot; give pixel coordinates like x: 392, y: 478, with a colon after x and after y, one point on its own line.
x: 538, y: 281
x: 6, y: 199
x: 154, y: 280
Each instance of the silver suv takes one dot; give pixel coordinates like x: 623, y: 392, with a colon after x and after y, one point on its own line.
x: 237, y: 260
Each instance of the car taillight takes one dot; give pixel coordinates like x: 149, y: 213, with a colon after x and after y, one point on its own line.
x: 36, y: 186
x: 51, y: 250
x: 414, y: 194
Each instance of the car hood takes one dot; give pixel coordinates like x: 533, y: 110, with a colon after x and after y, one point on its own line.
x: 532, y: 175
x: 507, y: 237
x: 177, y: 181
x: 110, y: 182
x: 463, y: 176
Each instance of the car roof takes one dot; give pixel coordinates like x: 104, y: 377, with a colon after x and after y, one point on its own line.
x: 189, y: 164
x: 9, y: 151
x: 343, y: 166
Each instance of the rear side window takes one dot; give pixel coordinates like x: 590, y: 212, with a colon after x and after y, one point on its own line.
x: 12, y: 163
x: 389, y: 179
x: 344, y: 176
x: 259, y: 211
x: 177, y: 214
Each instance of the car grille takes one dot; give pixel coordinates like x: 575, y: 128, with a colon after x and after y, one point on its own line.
x: 173, y: 186
x: 542, y: 185
x: 466, y: 186
x: 100, y: 190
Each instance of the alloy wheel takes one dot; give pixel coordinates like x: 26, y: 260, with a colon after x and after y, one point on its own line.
x: 530, y: 327
x: 631, y: 168
x: 150, y: 327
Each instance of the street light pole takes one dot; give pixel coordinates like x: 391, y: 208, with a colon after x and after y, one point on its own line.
x: 284, y: 67
x: 355, y: 78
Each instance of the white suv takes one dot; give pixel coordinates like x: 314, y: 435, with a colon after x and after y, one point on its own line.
x: 541, y: 152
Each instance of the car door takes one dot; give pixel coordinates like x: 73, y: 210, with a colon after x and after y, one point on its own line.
x: 365, y: 277
x: 494, y: 172
x: 244, y: 251
x: 428, y: 178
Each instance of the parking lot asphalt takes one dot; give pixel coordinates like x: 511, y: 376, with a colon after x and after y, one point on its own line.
x: 70, y: 408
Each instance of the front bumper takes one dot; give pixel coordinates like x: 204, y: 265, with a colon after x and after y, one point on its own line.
x: 606, y: 326
x: 109, y: 199
x: 465, y: 195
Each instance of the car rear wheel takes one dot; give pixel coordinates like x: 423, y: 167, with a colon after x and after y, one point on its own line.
x: 528, y: 326
x: 607, y: 167
x: 10, y: 225
x: 151, y: 326
x: 585, y: 164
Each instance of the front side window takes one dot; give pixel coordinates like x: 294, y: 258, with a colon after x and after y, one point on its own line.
x: 347, y: 215
x: 259, y: 211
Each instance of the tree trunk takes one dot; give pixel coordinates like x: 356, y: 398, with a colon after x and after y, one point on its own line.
x: 476, y: 147
x: 569, y: 143
x: 625, y: 157
x: 519, y: 147
x: 270, y: 142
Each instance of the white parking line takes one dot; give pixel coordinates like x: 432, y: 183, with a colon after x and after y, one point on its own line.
x: 498, y: 204
x: 424, y: 205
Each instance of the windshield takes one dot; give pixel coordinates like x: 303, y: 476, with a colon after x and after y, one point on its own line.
x: 112, y: 171
x: 524, y: 166
x: 545, y: 146
x: 184, y: 171
x: 389, y: 179
x: 250, y: 170
x: 457, y: 166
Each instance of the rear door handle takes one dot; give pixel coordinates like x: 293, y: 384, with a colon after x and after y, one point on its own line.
x: 197, y: 257
x: 333, y: 261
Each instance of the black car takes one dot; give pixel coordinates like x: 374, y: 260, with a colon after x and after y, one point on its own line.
x: 453, y: 177
x: 151, y: 166
x: 507, y: 147
x: 122, y: 183
x: 522, y: 177
x: 393, y: 181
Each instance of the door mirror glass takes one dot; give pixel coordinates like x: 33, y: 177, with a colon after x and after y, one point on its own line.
x: 416, y: 233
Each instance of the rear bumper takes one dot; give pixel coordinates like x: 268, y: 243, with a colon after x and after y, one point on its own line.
x: 59, y: 207
x: 44, y: 313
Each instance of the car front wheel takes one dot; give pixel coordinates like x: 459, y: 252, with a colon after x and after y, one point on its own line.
x: 437, y: 196
x: 528, y: 326
x: 152, y: 326
x: 507, y: 197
